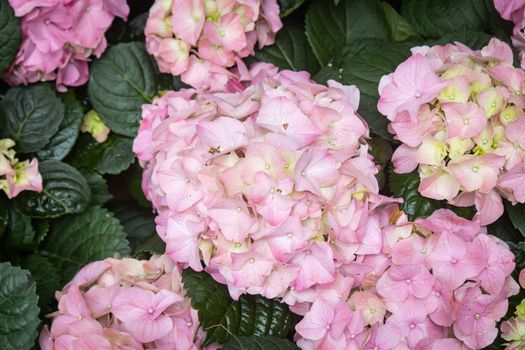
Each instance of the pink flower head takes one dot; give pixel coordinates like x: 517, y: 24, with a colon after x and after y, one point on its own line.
x: 101, y: 309
x: 444, y: 285
x: 463, y: 132
x: 199, y: 39
x: 269, y: 187
x: 60, y: 37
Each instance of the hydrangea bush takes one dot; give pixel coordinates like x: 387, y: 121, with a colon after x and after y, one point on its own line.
x: 270, y: 174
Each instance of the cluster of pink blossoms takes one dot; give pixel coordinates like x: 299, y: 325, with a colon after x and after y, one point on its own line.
x: 199, y: 39
x: 59, y: 37
x: 269, y: 184
x: 514, y: 10
x: 124, y: 304
x: 16, y: 176
x: 460, y: 117
x: 439, y: 283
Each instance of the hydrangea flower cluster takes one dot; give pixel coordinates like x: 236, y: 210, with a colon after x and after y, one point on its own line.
x: 16, y: 176
x: 459, y: 114
x: 513, y: 330
x: 124, y: 304
x: 59, y: 37
x: 514, y: 11
x: 199, y: 39
x: 270, y: 183
x: 439, y: 283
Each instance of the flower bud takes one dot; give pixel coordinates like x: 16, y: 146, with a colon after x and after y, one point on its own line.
x: 94, y: 125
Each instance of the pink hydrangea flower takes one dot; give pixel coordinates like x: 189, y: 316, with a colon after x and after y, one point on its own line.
x: 16, y: 176
x: 267, y: 185
x: 444, y: 285
x: 460, y: 117
x: 128, y: 304
x: 513, y: 10
x: 199, y: 39
x: 59, y: 37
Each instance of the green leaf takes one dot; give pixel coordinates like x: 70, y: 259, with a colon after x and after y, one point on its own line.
x: 288, y: 6
x: 134, y: 184
x: 4, y: 213
x: 120, y: 82
x: 258, y: 343
x: 414, y: 204
x: 517, y: 216
x: 99, y: 188
x: 291, y: 50
x: 329, y: 26
x: 110, y: 157
x: 19, y: 312
x: 152, y: 245
x: 20, y: 234
x: 399, y: 28
x: 434, y: 19
x: 77, y: 240
x: 139, y: 223
x: 65, y: 191
x: 363, y: 63
x: 42, y: 229
x: 47, y: 279
x: 63, y: 141
x: 473, y: 39
x: 221, y: 316
x: 10, y: 36
x: 32, y: 116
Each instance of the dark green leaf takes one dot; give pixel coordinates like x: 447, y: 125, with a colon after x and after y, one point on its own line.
x: 258, y: 343
x: 99, y: 188
x: 120, y: 82
x: 291, y: 50
x: 221, y: 316
x: 363, y: 63
x: 434, y: 19
x: 19, y: 311
x: 134, y: 184
x: 414, y: 205
x: 288, y: 6
x: 505, y: 229
x: 47, y: 279
x: 42, y: 229
x: 10, y: 36
x: 20, y: 234
x: 110, y: 157
x: 329, y: 26
x: 517, y: 216
x: 62, y: 142
x: 32, y: 116
x: 65, y: 191
x: 399, y: 28
x: 77, y: 240
x: 4, y: 213
x: 473, y: 39
x: 139, y: 223
x: 152, y: 244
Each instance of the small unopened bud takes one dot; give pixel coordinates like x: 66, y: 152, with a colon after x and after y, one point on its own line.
x: 94, y: 125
